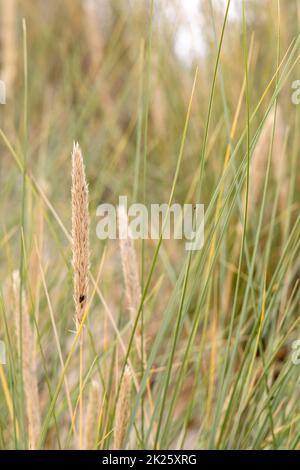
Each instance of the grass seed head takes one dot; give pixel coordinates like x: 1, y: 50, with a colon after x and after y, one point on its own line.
x: 80, y: 233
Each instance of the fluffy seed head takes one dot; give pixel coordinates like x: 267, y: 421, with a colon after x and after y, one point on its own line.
x: 279, y: 162
x: 260, y: 156
x: 122, y: 410
x: 129, y: 264
x: 92, y: 415
x: 131, y: 276
x: 80, y: 233
x: 94, y: 33
x: 259, y: 161
x: 30, y: 382
x: 9, y: 43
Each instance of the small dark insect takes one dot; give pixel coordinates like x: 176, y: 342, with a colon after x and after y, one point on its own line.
x: 282, y: 354
x: 81, y: 298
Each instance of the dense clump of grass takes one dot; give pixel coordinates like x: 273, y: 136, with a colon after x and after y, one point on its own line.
x: 203, y: 358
